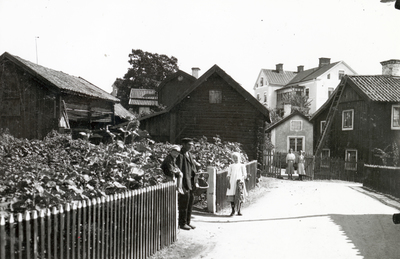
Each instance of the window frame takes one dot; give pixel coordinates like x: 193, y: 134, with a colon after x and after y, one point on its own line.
x: 303, y: 145
x: 341, y: 74
x: 212, y: 96
x: 330, y: 91
x: 325, y: 160
x: 265, y: 97
x: 291, y: 125
x: 352, y: 119
x: 392, y: 126
x: 347, y: 162
x: 321, y: 127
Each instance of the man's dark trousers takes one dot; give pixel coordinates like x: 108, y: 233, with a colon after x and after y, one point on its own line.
x: 185, y: 205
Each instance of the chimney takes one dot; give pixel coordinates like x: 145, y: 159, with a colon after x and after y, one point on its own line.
x: 279, y: 68
x: 324, y: 61
x: 300, y: 69
x: 195, y: 72
x: 391, y: 67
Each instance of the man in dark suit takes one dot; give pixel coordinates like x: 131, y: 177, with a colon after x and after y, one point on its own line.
x: 188, y: 167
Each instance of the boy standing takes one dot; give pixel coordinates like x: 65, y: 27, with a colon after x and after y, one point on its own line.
x: 170, y: 168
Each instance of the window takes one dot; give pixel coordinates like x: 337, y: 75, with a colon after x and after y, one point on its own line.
x: 258, y: 97
x: 325, y: 157
x: 308, y: 92
x: 328, y: 76
x: 350, y: 159
x: 396, y: 117
x: 296, y: 143
x: 347, y: 119
x: 330, y: 91
x: 265, y: 97
x: 341, y: 74
x: 323, y: 123
x: 296, y: 125
x: 215, y: 96
x: 261, y: 81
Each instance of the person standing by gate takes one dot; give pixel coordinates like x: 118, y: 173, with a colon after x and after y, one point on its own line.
x: 290, y: 161
x: 236, y: 176
x: 188, y: 167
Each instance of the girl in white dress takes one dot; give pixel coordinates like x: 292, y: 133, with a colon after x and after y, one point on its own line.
x: 236, y: 190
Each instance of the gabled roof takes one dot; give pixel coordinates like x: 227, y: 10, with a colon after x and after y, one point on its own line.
x: 175, y: 75
x: 60, y: 80
x: 375, y: 88
x: 296, y: 112
x: 311, y: 74
x: 276, y: 78
x: 379, y: 88
x: 216, y: 69
x: 143, y: 97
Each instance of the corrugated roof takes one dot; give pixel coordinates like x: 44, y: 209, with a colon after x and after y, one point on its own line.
x: 63, y: 81
x: 140, y: 102
x: 120, y: 111
x: 147, y: 94
x: 379, y: 88
x: 276, y: 78
x: 311, y: 74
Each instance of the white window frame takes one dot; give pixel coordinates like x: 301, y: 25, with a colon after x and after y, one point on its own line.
x: 258, y: 97
x: 327, y: 158
x: 330, y: 91
x: 261, y: 81
x: 291, y: 125
x: 393, y: 127
x: 303, y: 146
x: 352, y: 119
x: 265, y: 97
x: 321, y: 129
x: 346, y: 159
x: 341, y: 74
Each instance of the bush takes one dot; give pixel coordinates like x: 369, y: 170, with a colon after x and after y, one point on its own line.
x: 38, y: 174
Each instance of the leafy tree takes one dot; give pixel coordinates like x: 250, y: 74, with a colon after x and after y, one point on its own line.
x: 146, y: 72
x: 298, y: 102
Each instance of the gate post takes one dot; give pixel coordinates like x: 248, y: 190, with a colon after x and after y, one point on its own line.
x: 211, y: 190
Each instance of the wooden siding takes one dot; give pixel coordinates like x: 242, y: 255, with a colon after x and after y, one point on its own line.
x: 168, y: 95
x: 234, y: 119
x: 371, y: 127
x: 35, y: 109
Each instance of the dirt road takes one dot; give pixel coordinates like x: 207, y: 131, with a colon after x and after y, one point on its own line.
x: 294, y: 219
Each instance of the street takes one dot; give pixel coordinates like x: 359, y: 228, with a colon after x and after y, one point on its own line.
x: 301, y: 219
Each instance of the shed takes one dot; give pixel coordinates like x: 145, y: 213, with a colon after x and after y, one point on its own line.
x: 35, y: 100
x: 214, y: 104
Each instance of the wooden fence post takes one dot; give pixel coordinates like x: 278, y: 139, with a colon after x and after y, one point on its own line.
x: 211, y: 190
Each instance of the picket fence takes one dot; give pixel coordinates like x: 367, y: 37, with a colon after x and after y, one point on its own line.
x: 133, y: 224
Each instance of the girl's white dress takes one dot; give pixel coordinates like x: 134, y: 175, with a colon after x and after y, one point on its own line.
x: 236, y: 172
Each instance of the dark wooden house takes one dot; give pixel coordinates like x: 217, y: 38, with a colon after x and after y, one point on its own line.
x: 173, y: 87
x: 211, y: 105
x: 35, y: 100
x: 367, y: 117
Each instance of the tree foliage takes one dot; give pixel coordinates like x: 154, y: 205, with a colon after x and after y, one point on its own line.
x: 298, y: 102
x: 146, y: 72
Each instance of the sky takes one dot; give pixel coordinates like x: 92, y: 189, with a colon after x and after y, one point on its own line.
x: 93, y: 38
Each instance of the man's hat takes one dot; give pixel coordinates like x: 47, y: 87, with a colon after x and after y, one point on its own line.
x: 187, y: 140
x: 176, y: 148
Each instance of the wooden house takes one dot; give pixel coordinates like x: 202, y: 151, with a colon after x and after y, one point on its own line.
x: 294, y: 131
x: 172, y: 88
x: 142, y: 100
x: 211, y: 105
x: 35, y: 100
x: 367, y: 116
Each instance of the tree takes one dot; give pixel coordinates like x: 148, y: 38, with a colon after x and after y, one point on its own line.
x: 298, y: 102
x: 147, y: 72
